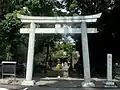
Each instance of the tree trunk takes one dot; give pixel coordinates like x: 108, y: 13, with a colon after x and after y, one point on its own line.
x: 47, y: 56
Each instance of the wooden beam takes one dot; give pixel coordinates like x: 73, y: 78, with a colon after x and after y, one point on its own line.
x: 58, y: 30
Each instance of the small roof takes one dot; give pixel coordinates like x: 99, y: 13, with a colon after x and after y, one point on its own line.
x: 9, y: 62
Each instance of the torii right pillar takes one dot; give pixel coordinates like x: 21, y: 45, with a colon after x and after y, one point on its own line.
x: 86, y: 63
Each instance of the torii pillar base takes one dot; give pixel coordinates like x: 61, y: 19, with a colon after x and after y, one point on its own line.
x: 110, y: 84
x: 87, y: 84
x: 28, y: 83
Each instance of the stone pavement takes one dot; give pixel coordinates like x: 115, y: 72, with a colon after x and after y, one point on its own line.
x: 50, y: 88
x: 71, y: 82
x: 64, y: 83
x: 10, y: 83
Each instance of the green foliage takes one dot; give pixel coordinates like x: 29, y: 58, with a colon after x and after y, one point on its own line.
x: 40, y: 7
x: 45, y: 40
x: 69, y: 2
x: 62, y: 50
x: 9, y: 28
x: 87, y: 7
x: 73, y: 4
x: 36, y: 7
x: 10, y: 25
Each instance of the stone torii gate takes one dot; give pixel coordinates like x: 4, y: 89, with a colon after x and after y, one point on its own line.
x: 58, y: 21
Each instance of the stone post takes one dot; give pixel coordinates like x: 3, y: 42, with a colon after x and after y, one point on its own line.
x: 109, y: 82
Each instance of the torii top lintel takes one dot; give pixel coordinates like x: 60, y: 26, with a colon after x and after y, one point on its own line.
x: 58, y: 19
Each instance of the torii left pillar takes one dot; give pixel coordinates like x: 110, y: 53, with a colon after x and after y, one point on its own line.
x: 30, y: 56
